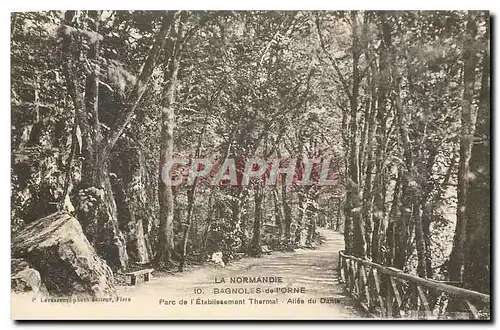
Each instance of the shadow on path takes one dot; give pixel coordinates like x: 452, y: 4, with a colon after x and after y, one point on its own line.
x: 309, y: 288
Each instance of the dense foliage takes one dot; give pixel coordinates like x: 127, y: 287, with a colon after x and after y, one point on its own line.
x: 398, y: 100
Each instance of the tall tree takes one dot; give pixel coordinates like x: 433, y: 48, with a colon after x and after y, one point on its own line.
x: 100, y: 222
x: 166, y: 251
x: 468, y: 123
x: 477, y: 267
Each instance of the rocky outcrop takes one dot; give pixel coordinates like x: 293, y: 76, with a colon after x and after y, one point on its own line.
x: 56, y: 247
x: 25, y: 278
x: 129, y: 188
x: 96, y: 211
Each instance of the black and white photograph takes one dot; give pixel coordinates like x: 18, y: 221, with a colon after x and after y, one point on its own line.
x: 250, y: 165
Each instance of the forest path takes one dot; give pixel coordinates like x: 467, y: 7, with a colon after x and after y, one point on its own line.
x: 312, y: 271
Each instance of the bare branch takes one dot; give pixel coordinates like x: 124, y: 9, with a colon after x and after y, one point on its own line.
x: 332, y: 60
x: 140, y: 87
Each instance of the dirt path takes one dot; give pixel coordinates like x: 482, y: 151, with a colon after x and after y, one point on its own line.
x: 306, y: 289
x: 306, y: 274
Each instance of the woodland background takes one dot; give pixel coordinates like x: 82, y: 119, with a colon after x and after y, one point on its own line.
x: 399, y: 100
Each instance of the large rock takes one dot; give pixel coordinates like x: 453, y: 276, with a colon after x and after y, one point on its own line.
x: 25, y: 278
x: 57, y: 248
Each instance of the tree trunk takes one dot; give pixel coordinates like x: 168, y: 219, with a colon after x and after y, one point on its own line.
x: 278, y: 215
x: 426, y: 224
x: 338, y: 217
x: 96, y: 208
x: 353, y: 200
x: 408, y: 187
x: 287, y: 216
x: 391, y: 228
x: 379, y: 213
x: 206, y: 233
x: 371, y: 234
x: 301, y: 230
x: 402, y: 225
x: 457, y: 257
x: 312, y: 223
x: 419, y: 238
x: 255, y: 248
x: 477, y: 257
x: 240, y: 195
x: 166, y: 252
x: 191, y: 199
x: 187, y: 225
x: 129, y: 189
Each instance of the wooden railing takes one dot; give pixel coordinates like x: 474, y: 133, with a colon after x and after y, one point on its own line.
x: 387, y: 292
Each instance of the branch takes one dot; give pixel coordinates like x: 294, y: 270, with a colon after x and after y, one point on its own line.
x: 203, y: 21
x: 330, y: 57
x: 71, y: 78
x: 371, y: 60
x: 140, y: 87
x: 295, y: 115
x: 287, y: 32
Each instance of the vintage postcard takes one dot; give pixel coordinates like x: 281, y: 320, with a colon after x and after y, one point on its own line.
x: 250, y: 165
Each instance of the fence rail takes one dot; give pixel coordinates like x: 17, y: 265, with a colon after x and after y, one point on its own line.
x: 388, y: 292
